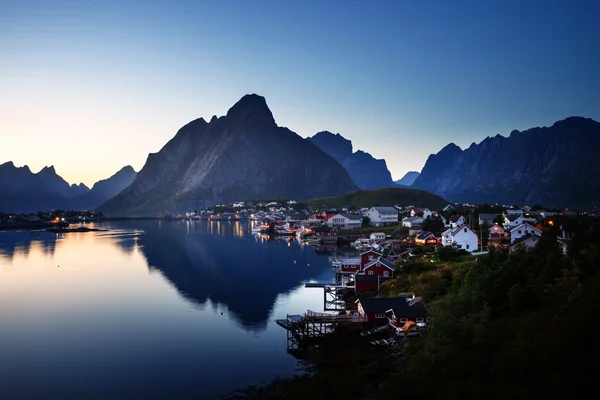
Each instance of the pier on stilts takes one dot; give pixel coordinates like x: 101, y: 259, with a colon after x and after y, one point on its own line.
x: 333, y: 292
x: 302, y: 329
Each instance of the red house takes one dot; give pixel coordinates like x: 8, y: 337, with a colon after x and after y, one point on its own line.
x: 410, y: 318
x: 381, y: 267
x: 395, y: 311
x: 426, y: 238
x: 366, y: 283
x: 325, y: 231
x: 349, y: 265
x: 369, y: 255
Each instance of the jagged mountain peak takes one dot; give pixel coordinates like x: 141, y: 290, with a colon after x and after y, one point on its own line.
x: 252, y: 111
x: 554, y: 166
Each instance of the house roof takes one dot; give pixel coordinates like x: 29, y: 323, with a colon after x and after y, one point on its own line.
x: 424, y: 235
x: 384, y: 261
x: 412, y: 219
x: 454, y: 218
x: 524, y: 239
x: 352, y: 217
x: 384, y: 209
x: 370, y: 249
x: 447, y: 231
x: 460, y: 228
x: 399, y: 305
x: 378, y: 233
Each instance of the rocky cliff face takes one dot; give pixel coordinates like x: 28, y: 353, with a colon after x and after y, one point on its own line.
x: 241, y: 156
x: 366, y: 171
x: 553, y: 166
x: 408, y: 179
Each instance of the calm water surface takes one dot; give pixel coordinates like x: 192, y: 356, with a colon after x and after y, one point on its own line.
x: 149, y: 309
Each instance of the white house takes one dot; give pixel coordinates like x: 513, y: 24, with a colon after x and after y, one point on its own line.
x: 448, y: 207
x: 345, y: 221
x: 522, y: 230
x: 456, y: 220
x: 526, y: 242
x: 382, y: 215
x: 461, y: 237
x: 514, y: 220
x: 409, y: 222
x: 377, y: 236
x: 426, y: 212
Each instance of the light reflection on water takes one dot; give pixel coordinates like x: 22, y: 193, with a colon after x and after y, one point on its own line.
x: 148, y: 309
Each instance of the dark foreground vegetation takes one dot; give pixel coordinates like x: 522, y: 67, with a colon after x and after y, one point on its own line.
x: 519, y: 325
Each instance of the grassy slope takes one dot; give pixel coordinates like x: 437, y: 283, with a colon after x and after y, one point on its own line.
x: 381, y: 197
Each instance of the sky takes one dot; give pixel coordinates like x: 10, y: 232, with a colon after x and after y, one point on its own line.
x: 92, y: 86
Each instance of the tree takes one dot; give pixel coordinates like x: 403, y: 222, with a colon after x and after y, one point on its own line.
x: 433, y: 224
x: 365, y: 221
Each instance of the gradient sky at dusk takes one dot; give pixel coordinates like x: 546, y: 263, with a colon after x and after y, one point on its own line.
x: 91, y: 86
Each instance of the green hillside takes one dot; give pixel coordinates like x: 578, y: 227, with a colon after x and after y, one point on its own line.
x: 381, y: 197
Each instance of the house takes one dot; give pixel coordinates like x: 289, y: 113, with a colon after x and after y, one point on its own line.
x: 382, y: 215
x: 369, y: 255
x: 496, y: 234
x: 426, y: 212
x: 409, y: 222
x: 325, y: 232
x: 382, y: 267
x: 525, y: 242
x: 349, y: 265
x: 487, y: 218
x: 461, y: 237
x: 391, y: 254
x: 515, y: 220
x: 456, y: 220
x: 366, y: 283
x: 345, y: 221
x: 377, y: 236
x: 448, y: 207
x: 412, y: 309
x: 426, y: 238
x: 374, y: 309
x: 522, y: 230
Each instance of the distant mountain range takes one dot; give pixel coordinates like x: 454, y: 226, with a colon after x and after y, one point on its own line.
x: 241, y: 156
x: 554, y: 166
x: 365, y: 170
x: 408, y: 179
x: 23, y: 191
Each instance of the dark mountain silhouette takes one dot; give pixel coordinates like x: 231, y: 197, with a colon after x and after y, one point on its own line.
x: 22, y: 191
x: 366, y: 171
x: 241, y: 156
x: 408, y: 179
x: 54, y: 183
x: 555, y: 166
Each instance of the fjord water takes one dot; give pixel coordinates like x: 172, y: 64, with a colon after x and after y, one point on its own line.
x: 149, y: 309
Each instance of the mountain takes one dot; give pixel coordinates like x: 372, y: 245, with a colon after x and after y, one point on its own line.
x: 365, y: 170
x: 55, y: 183
x: 408, y: 179
x: 22, y: 191
x: 381, y: 197
x: 110, y: 187
x: 79, y: 190
x: 243, y: 155
x: 554, y: 166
